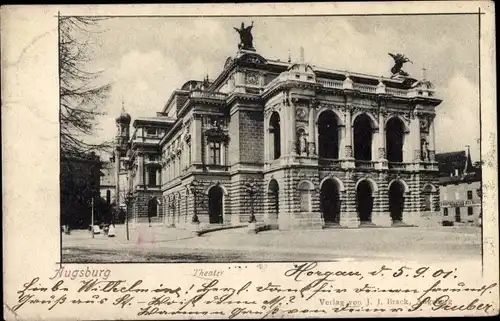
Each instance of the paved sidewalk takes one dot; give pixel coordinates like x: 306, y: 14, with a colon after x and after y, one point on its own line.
x: 169, y: 244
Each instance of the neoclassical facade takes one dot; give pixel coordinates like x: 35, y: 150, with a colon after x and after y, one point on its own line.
x: 319, y: 147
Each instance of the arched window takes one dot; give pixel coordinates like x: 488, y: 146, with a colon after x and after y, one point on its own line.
x: 363, y: 134
x: 305, y: 190
x: 153, y: 207
x: 328, y: 137
x: 274, y: 136
x: 394, y: 140
x: 273, y: 194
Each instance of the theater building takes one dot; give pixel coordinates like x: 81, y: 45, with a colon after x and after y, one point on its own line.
x: 299, y: 146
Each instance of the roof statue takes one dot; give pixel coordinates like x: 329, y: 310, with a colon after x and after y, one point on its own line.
x: 399, y: 60
x: 246, y: 38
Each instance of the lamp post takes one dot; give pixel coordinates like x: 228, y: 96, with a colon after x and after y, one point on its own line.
x: 192, y: 187
x: 252, y: 189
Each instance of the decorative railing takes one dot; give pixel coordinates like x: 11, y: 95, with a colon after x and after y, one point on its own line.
x: 396, y: 92
x: 207, y: 94
x: 364, y: 164
x: 429, y: 166
x: 396, y: 165
x: 365, y: 88
x: 330, y: 83
x: 329, y: 162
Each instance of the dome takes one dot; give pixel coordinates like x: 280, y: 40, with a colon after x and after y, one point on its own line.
x: 123, y: 118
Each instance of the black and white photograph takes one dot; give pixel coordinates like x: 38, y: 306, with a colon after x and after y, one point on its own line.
x: 233, y: 139
x: 249, y: 161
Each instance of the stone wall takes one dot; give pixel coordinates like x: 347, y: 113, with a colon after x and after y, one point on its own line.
x: 251, y: 136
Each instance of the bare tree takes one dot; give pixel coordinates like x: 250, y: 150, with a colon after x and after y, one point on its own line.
x: 82, y: 93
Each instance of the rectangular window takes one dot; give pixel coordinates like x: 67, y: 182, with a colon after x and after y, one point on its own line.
x: 470, y: 210
x: 152, y: 177
x: 151, y: 132
x: 469, y: 195
x: 214, y: 153
x: 445, y: 211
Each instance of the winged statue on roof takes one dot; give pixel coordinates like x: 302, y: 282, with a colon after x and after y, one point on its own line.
x: 246, y: 38
x: 399, y: 60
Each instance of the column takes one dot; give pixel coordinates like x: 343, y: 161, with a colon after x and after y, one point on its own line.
x: 141, y: 169
x: 292, y: 130
x: 284, y: 130
x: 348, y: 135
x: 432, y: 140
x: 196, y: 140
x: 381, y: 152
x: 147, y: 175
x: 312, y: 130
x: 267, y: 157
x: 342, y: 141
x: 415, y: 135
x: 158, y: 177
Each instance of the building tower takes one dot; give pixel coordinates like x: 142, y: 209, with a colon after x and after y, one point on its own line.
x: 122, y: 137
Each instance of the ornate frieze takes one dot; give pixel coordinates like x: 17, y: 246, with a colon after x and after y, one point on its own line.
x: 424, y: 124
x: 216, y: 132
x: 270, y: 110
x: 252, y: 78
x: 381, y: 152
x: 348, y: 151
x: 301, y: 114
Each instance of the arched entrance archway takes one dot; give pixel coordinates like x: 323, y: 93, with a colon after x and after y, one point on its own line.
x: 274, y: 136
x: 395, y: 131
x: 273, y: 192
x: 363, y: 136
x: 364, y: 201
x: 330, y: 201
x: 396, y: 201
x: 328, y: 135
x: 152, y: 207
x: 215, y: 205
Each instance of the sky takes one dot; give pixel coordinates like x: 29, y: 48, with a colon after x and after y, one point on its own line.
x: 146, y: 58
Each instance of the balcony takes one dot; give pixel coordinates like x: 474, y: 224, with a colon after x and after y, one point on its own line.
x: 365, y: 88
x: 397, y: 165
x: 429, y: 166
x: 329, y: 162
x: 396, y: 92
x: 364, y: 164
x: 330, y: 83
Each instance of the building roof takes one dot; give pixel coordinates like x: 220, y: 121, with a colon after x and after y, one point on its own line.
x: 467, y: 178
x: 158, y: 120
x: 449, y: 162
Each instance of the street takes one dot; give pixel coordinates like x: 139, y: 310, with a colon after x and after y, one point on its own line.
x: 161, y: 244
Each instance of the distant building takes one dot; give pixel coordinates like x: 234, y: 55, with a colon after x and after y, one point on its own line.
x: 460, y: 188
x: 108, y: 185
